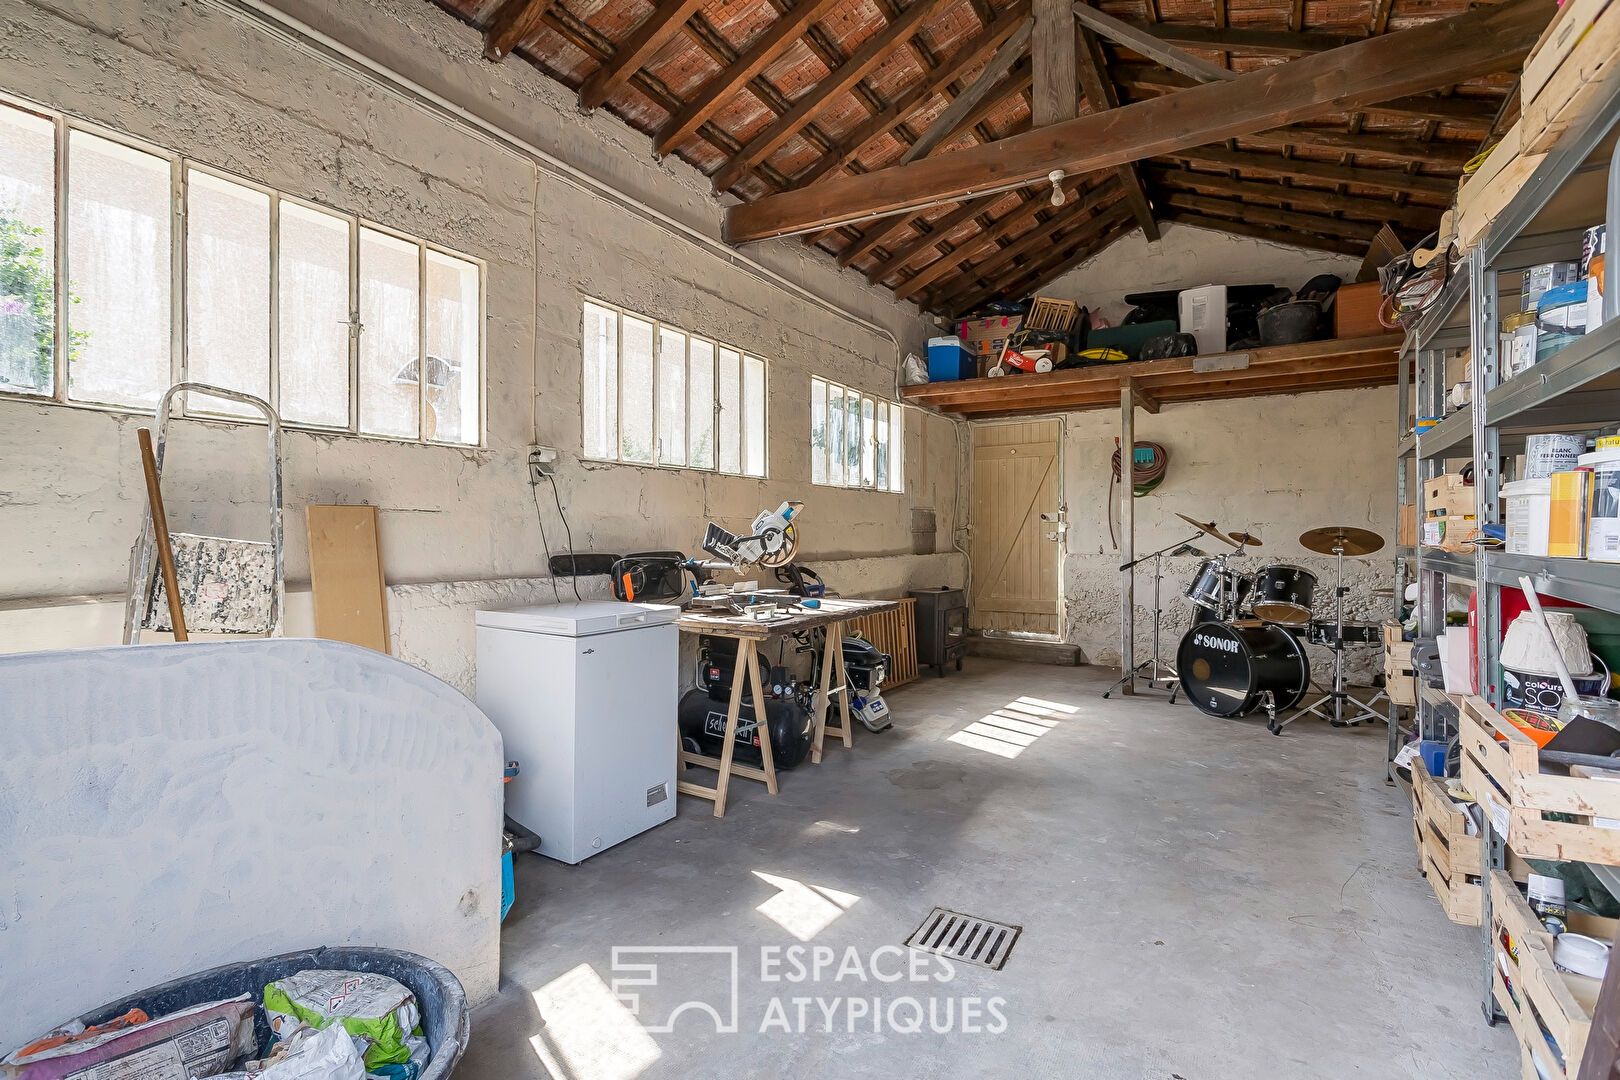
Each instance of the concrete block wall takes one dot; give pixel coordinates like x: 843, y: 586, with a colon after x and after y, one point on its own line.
x: 292, y: 104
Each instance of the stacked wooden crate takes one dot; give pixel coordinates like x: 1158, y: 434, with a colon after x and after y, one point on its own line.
x: 1447, y: 855
x: 1550, y: 1009
x: 1400, y: 677
x: 1565, y: 72
x: 1449, y: 511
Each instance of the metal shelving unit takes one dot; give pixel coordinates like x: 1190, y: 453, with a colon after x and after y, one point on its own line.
x: 1577, y: 390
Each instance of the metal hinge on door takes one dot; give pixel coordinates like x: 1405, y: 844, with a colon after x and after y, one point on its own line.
x: 1061, y: 526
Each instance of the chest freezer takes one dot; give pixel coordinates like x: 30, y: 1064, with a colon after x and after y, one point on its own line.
x: 585, y: 697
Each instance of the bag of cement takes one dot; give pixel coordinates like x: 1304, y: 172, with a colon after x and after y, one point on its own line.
x: 307, y: 1054
x: 203, y: 1040
x: 374, y: 1008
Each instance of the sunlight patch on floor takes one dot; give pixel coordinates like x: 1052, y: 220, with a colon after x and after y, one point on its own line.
x: 588, y: 1033
x: 803, y: 910
x: 1008, y: 731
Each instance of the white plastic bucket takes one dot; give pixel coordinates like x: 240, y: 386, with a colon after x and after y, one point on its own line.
x: 1529, y: 508
x: 1547, y: 454
x: 1603, y: 536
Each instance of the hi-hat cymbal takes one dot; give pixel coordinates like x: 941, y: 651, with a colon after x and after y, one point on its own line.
x: 1341, y: 539
x: 1244, y: 538
x: 1209, y: 527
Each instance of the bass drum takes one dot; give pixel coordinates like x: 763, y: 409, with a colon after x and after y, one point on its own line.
x: 1226, y: 668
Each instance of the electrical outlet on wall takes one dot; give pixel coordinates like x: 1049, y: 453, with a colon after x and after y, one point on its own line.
x: 542, y: 460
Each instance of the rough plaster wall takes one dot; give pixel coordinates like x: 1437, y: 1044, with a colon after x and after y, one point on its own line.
x: 1275, y: 466
x: 1186, y: 257
x: 173, y: 808
x: 201, y: 80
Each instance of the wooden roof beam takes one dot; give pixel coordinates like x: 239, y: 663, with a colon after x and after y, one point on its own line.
x: 1088, y: 219
x: 1255, y: 214
x: 871, y: 53
x: 1478, y: 42
x: 633, y: 53
x: 923, y: 241
x: 1243, y: 41
x: 767, y: 46
x: 1031, y: 275
x: 1055, y: 96
x: 513, y: 23
x: 976, y: 92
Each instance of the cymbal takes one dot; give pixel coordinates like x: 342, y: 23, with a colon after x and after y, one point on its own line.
x: 1208, y: 527
x: 1336, y: 539
x: 1244, y: 538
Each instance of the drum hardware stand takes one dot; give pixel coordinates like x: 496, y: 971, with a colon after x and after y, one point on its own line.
x: 1154, y: 666
x: 1338, y: 695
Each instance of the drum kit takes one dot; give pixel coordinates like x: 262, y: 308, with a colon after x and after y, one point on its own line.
x: 1245, y: 649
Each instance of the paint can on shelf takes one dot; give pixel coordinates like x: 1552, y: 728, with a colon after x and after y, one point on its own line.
x: 1547, y: 454
x: 1603, y: 532
x: 1529, y: 503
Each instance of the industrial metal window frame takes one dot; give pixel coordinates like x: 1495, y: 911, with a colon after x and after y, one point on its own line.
x: 179, y: 165
x: 744, y: 416
x: 893, y: 440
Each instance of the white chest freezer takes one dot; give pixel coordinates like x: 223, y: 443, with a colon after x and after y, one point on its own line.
x: 585, y: 698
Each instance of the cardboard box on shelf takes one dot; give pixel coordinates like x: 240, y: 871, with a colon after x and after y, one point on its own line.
x: 1448, y: 496
x: 1408, y: 536
x: 987, y: 338
x: 1355, y: 311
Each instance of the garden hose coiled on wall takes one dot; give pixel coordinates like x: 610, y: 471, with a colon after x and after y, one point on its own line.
x: 1145, y: 476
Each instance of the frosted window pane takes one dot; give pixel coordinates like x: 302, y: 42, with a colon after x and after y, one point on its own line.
x: 852, y: 439
x: 389, y: 335
x: 600, y: 347
x: 671, y: 396
x: 313, y: 286
x: 897, y: 448
x: 730, y: 411
x: 452, y: 349
x: 118, y: 271
x: 835, y: 434
x: 868, y: 434
x: 636, y: 393
x: 818, y: 431
x: 754, y: 416
x: 27, y: 252
x: 227, y: 291
x: 700, y: 404
x: 880, y: 452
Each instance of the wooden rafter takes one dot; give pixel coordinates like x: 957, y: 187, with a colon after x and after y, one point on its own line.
x: 1386, y: 179
x: 1053, y: 250
x: 770, y: 44
x: 1376, y: 210
x: 1277, y: 217
x: 1139, y: 39
x: 903, y: 254
x: 871, y: 53
x: 1478, y: 42
x: 1102, y: 95
x: 1101, y: 206
x: 1335, y: 244
x: 514, y: 22
x: 634, y: 52
x: 1243, y: 41
x: 956, y: 114
x: 887, y: 119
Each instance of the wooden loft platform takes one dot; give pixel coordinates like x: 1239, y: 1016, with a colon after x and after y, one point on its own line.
x: 1283, y: 369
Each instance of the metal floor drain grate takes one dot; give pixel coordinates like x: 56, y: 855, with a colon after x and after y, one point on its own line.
x: 965, y: 938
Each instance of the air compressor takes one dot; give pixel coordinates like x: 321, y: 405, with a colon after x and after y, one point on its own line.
x: 788, y: 701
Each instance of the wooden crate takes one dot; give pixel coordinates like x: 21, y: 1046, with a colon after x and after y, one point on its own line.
x: 1047, y: 313
x: 1447, y: 856
x: 1579, y: 50
x: 1533, y: 992
x: 1400, y: 685
x: 1448, y: 496
x: 893, y: 632
x: 1501, y: 769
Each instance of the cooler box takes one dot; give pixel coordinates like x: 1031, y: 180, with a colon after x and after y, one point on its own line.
x: 949, y: 360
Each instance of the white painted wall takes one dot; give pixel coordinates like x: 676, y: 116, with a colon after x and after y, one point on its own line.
x: 209, y: 80
x: 1276, y: 466
x: 171, y: 808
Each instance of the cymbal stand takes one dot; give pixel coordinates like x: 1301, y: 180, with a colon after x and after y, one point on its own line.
x: 1154, y: 666
x: 1338, y: 697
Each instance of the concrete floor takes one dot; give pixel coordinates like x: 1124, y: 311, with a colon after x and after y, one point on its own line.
x: 1199, y: 900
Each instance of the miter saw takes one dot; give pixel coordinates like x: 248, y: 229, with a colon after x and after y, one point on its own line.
x: 773, y: 542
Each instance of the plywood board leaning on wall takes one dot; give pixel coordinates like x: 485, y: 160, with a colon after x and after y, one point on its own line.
x: 345, y: 575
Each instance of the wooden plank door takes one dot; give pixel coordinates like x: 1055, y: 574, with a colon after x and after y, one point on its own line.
x: 1015, y: 564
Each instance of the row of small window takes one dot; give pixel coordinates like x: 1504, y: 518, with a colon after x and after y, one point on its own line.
x: 654, y: 394
x: 856, y: 440
x: 106, y: 300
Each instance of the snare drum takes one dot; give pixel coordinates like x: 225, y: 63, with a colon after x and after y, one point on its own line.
x: 1282, y: 594
x: 1355, y: 633
x: 1216, y: 590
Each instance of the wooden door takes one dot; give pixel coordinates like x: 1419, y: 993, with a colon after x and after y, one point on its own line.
x: 1016, y: 553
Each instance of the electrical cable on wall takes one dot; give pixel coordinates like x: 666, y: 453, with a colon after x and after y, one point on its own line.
x: 1149, y: 462
x: 534, y: 489
x: 573, y: 578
